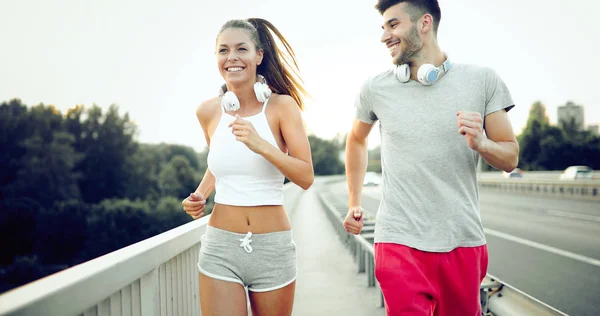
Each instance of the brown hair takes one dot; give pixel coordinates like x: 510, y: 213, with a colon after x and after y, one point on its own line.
x: 416, y: 9
x: 279, y: 67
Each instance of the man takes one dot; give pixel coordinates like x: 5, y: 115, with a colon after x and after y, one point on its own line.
x: 430, y: 248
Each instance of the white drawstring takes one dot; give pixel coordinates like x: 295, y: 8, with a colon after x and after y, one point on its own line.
x: 246, y: 242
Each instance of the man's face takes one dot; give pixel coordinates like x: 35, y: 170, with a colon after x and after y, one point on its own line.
x: 400, y: 35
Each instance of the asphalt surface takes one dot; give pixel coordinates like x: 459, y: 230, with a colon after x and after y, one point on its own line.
x: 546, y: 247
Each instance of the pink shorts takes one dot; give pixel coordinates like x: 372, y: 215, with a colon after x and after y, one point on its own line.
x: 421, y: 283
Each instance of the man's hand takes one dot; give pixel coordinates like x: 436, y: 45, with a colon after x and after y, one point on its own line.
x: 194, y: 205
x: 354, y: 220
x: 470, y: 124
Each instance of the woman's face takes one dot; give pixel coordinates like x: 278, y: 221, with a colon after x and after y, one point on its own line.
x: 237, y: 56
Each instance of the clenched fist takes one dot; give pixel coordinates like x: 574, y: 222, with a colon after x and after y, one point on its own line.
x: 470, y: 124
x: 194, y: 205
x: 354, y: 220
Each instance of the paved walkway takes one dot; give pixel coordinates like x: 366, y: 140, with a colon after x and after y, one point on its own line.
x: 328, y: 282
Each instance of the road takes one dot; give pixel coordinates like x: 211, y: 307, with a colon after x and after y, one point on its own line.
x: 546, y: 247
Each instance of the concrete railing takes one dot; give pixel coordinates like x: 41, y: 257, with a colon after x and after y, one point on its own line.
x: 589, y: 189
x: 157, y: 276
x: 497, y: 298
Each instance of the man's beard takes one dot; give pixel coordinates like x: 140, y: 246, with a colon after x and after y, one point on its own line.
x: 413, y: 46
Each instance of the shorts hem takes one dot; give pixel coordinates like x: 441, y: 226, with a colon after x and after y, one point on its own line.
x: 218, y: 277
x: 275, y: 287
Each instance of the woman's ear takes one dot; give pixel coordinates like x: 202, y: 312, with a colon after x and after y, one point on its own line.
x: 260, y: 54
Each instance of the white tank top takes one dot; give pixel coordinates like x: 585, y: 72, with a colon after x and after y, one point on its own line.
x: 243, y: 177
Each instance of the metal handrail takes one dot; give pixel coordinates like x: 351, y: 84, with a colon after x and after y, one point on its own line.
x: 498, y: 298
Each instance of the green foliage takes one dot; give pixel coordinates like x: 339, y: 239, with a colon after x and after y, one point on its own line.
x: 46, y: 170
x: 106, y: 142
x: 549, y: 147
x: 325, y: 156
x: 374, y: 162
x: 17, y: 227
x: 177, y: 178
x: 62, y: 232
x: 170, y: 213
x: 77, y: 186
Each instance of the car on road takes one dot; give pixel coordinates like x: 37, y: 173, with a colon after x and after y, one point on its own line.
x: 577, y: 173
x: 517, y: 173
x: 371, y: 179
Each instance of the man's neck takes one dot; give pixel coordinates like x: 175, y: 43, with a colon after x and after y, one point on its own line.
x: 429, y: 55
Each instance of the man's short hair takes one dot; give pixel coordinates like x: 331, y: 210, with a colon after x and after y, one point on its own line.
x: 416, y: 9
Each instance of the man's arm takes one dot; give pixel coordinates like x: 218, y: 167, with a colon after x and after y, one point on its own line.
x: 356, y: 165
x: 356, y: 160
x: 500, y: 148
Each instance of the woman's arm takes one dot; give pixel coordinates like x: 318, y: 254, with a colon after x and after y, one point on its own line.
x: 195, y: 203
x: 296, y: 165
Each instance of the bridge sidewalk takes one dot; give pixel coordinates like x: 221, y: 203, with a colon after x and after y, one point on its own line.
x: 328, y: 281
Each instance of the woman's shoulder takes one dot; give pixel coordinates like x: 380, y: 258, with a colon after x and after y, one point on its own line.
x: 284, y: 104
x: 208, y: 108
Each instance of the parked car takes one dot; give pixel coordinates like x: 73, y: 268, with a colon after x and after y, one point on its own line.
x: 577, y: 173
x: 371, y: 179
x: 517, y: 173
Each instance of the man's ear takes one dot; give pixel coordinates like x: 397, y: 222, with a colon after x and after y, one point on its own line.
x: 426, y: 23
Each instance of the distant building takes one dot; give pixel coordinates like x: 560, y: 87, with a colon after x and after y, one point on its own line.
x: 594, y: 128
x: 571, y: 112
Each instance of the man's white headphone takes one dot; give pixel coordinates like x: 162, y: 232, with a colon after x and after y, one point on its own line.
x: 428, y: 74
x: 230, y: 102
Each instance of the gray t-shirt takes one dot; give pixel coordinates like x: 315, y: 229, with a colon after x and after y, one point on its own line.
x: 430, y: 197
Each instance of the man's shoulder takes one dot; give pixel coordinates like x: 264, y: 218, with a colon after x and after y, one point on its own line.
x: 378, y: 78
x: 472, y: 69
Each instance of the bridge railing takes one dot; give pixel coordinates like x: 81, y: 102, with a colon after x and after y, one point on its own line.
x: 157, y: 276
x: 589, y: 189
x: 497, y: 298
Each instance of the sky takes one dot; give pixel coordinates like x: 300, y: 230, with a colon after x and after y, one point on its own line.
x: 155, y: 59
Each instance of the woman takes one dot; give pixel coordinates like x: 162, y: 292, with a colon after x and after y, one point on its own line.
x: 256, y: 138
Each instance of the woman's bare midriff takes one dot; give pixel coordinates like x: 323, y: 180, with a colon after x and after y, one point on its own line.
x: 255, y: 219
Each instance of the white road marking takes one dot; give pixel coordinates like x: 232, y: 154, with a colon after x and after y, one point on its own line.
x: 534, y: 244
x: 574, y: 215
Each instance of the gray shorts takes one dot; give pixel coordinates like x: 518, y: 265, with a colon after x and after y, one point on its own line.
x: 259, y: 262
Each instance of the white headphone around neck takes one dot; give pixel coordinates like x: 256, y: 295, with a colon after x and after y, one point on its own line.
x: 230, y: 102
x: 428, y: 74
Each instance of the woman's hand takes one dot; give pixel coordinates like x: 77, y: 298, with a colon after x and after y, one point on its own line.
x: 244, y: 132
x: 194, y: 205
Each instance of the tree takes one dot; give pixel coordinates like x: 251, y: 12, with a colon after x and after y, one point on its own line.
x: 548, y: 147
x: 62, y: 232
x: 530, y: 140
x: 107, y: 142
x: 325, y: 156
x: 15, y: 127
x: 178, y: 178
x: 17, y: 227
x: 46, y: 171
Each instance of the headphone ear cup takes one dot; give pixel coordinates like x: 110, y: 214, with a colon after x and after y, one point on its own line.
x: 262, y: 91
x: 230, y: 102
x: 428, y: 74
x: 402, y: 73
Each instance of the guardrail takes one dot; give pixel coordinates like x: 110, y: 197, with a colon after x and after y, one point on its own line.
x: 156, y: 276
x: 497, y: 298
x: 574, y: 189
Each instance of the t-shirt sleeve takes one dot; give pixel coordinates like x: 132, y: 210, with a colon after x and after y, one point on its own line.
x: 497, y: 96
x: 363, y: 104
